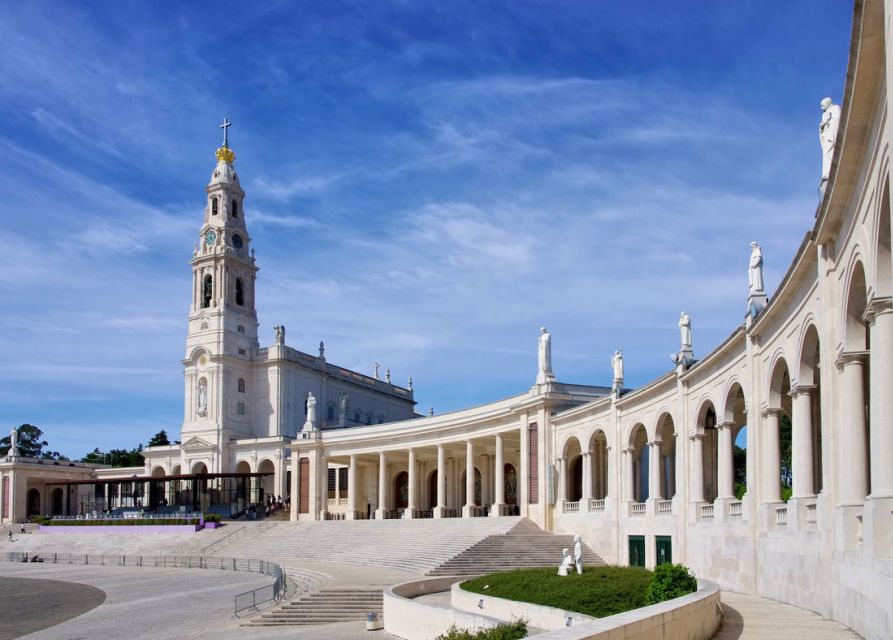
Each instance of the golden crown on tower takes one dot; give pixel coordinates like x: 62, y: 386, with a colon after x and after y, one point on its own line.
x: 224, y: 153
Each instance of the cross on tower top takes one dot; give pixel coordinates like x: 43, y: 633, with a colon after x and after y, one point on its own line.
x: 225, y: 126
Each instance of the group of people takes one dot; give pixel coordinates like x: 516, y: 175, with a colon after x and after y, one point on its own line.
x: 569, y: 561
x: 9, y: 532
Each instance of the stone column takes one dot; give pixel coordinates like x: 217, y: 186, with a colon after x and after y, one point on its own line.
x: 412, y: 502
x: 880, y: 317
x: 630, y: 474
x: 524, y: 468
x: 853, y: 458
x: 440, y: 505
x: 295, y: 500
x: 352, y: 488
x: 726, y: 474
x: 586, y: 493
x: 771, y: 457
x: 485, y: 479
x: 654, y: 470
x: 451, y: 477
x: 382, y: 486
x: 498, y: 507
x: 697, y: 467
x: 468, y: 509
x: 324, y: 485
x: 562, y: 482
x: 801, y: 442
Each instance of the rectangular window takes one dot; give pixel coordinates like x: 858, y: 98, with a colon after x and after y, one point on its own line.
x: 303, y: 486
x: 331, y: 483
x: 342, y: 479
x: 241, y: 408
x: 241, y: 352
x: 663, y: 549
x: 240, y: 329
x: 533, y: 488
x: 637, y: 551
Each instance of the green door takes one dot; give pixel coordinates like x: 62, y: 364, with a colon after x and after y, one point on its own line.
x: 637, y: 551
x: 664, y: 546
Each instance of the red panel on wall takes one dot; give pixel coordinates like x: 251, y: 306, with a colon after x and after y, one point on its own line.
x: 304, y: 486
x: 533, y: 454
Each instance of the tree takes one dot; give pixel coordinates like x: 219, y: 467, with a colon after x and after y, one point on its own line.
x: 116, y: 457
x: 159, y: 439
x: 30, y: 444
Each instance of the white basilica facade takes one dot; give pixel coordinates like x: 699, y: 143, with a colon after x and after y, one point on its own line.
x: 645, y: 475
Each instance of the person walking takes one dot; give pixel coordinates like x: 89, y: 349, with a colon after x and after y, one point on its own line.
x: 23, y: 528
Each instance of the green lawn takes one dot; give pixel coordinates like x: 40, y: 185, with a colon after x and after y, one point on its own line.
x: 599, y: 592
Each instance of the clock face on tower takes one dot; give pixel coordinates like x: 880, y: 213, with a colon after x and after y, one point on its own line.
x: 210, y: 238
x: 237, y: 241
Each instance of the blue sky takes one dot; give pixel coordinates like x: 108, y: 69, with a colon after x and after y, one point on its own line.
x: 427, y: 184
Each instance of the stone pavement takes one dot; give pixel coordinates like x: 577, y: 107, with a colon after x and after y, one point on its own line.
x: 29, y: 604
x: 746, y: 617
x: 162, y: 604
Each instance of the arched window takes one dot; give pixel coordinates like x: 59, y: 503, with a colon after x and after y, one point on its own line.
x: 240, y: 294
x: 241, y: 385
x: 207, y: 291
x: 214, y: 206
x: 330, y: 414
x: 235, y: 208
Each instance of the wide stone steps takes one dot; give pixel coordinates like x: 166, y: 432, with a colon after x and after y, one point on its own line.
x: 524, y: 546
x: 326, y: 606
x: 415, y: 546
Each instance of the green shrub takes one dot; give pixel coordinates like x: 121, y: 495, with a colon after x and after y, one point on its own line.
x: 600, y: 591
x: 505, y: 631
x: 740, y: 490
x: 212, y: 517
x: 670, y: 581
x: 786, y: 493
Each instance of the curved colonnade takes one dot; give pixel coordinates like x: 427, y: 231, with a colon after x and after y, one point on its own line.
x: 652, y: 471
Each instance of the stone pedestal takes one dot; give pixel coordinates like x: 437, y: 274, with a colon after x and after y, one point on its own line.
x: 468, y: 511
x: 497, y: 510
x: 440, y: 512
x: 350, y: 514
x: 380, y: 514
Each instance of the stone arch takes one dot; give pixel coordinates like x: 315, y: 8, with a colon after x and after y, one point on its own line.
x: 511, y: 484
x: 665, y: 440
x: 431, y: 483
x: 199, y: 468
x: 267, y: 484
x: 175, y: 470
x: 706, y: 427
x: 780, y: 403
x: 598, y: 446
x: 157, y: 472
x: 638, y: 463
x: 401, y: 490
x: 855, y: 378
x: 243, y: 485
x: 807, y: 444
x: 735, y: 418
x: 572, y: 454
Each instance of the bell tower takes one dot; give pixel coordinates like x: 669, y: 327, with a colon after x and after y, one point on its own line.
x: 222, y: 336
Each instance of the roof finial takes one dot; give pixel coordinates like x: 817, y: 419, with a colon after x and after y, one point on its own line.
x: 224, y: 153
x: 225, y: 126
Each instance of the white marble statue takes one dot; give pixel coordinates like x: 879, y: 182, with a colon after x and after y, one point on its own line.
x: 342, y: 408
x: 410, y: 383
x: 755, y: 275
x: 375, y: 370
x: 685, y: 331
x: 322, y: 350
x: 311, y: 412
x: 544, y: 360
x: 578, y: 553
x: 387, y: 375
x: 279, y: 334
x: 13, y: 442
x: 617, y: 364
x: 567, y: 562
x: 828, y: 134
x: 202, y: 397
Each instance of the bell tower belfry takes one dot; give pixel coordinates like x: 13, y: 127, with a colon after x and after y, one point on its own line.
x: 222, y: 336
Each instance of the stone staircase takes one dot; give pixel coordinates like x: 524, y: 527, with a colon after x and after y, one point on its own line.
x: 524, y: 546
x: 414, y: 546
x: 325, y: 606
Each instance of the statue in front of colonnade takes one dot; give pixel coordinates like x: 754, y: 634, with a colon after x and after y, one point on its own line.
x: 310, y: 424
x: 13, y: 443
x: 828, y: 127
x: 544, y: 358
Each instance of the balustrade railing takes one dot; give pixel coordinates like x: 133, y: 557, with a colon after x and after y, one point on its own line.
x: 706, y: 514
x: 811, y: 518
x: 596, y: 504
x: 665, y: 508
x: 637, y: 510
x: 570, y: 507
x: 735, y: 511
x: 781, y: 518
